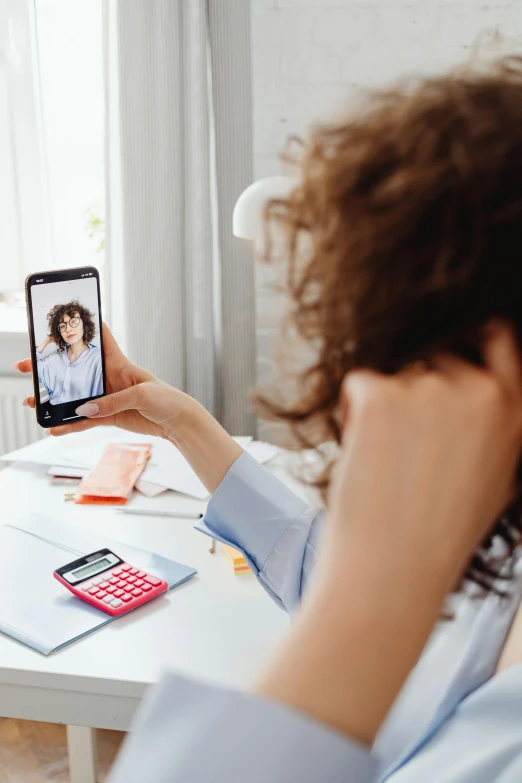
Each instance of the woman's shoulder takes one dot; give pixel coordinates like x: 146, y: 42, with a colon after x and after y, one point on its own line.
x: 95, y: 354
x: 482, y: 734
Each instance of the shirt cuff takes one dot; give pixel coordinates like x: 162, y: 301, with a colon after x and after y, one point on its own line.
x: 190, y: 731
x: 251, y: 509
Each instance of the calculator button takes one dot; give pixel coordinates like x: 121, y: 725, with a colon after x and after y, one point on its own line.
x: 116, y: 602
x: 131, y: 579
x: 139, y: 582
x: 111, y: 589
x: 141, y: 574
x: 114, y: 580
x: 108, y: 599
x: 117, y: 572
x: 126, y: 567
x: 121, y: 584
x: 87, y: 587
x: 152, y: 580
x: 137, y: 592
x: 134, y: 571
x: 101, y: 594
x: 145, y: 587
x: 118, y: 593
x: 126, y: 597
x: 93, y: 591
x: 97, y: 581
x: 104, y: 585
x: 129, y: 588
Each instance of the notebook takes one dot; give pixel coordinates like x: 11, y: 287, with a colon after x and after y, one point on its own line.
x: 35, y: 608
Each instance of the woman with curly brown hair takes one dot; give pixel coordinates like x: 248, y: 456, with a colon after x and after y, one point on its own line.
x: 74, y: 370
x: 404, y: 240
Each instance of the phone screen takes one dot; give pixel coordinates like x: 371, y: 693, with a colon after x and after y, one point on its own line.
x: 64, y: 314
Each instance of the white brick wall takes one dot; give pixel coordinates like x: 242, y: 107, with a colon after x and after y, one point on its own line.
x: 310, y: 55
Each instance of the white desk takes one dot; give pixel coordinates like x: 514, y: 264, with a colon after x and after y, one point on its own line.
x: 218, y: 626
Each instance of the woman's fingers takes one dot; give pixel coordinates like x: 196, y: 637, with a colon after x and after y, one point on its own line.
x: 360, y: 388
x: 103, y: 407
x: 111, y: 348
x: 500, y: 377
x: 115, y: 359
x: 24, y: 366
x: 502, y: 358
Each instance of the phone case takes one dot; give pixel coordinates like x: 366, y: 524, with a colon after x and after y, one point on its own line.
x: 45, y: 423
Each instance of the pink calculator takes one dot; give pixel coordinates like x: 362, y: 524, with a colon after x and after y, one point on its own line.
x: 109, y: 583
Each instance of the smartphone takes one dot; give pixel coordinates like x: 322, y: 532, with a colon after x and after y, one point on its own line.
x: 64, y: 317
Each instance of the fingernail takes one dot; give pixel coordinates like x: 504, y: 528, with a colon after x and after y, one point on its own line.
x: 14, y: 366
x: 26, y: 402
x: 88, y: 409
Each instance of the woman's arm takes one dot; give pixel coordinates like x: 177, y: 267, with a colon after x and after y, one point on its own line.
x: 250, y: 508
x: 207, y: 447
x: 392, y: 551
x: 45, y: 375
x: 97, y: 386
x: 417, y: 448
x: 43, y: 345
x: 139, y: 402
x: 277, y: 532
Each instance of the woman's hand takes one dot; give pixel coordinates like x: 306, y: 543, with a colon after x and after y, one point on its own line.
x: 43, y: 345
x: 428, y: 465
x: 439, y: 444
x: 139, y: 402
x: 136, y: 401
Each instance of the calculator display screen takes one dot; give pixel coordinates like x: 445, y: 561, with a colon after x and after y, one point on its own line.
x: 93, y: 568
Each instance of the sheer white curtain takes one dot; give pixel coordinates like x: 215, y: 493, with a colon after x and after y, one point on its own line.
x: 178, y: 155
x: 24, y: 224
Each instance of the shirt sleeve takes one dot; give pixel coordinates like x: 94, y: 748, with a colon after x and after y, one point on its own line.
x: 270, y: 525
x: 43, y: 372
x: 187, y: 731
x: 98, y: 378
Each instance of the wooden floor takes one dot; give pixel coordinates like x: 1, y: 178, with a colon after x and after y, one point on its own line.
x: 33, y: 752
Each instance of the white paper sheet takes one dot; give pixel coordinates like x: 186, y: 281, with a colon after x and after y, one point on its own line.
x: 166, y: 469
x: 148, y: 489
x: 66, y: 471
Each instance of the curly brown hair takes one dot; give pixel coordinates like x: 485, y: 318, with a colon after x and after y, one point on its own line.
x: 55, y: 317
x: 404, y: 237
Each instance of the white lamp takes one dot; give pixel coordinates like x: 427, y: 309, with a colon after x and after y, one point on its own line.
x: 248, y: 217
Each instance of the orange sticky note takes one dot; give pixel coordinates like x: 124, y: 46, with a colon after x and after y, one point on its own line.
x: 239, y: 564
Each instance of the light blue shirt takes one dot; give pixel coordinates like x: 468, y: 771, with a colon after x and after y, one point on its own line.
x: 65, y: 381
x: 453, y: 722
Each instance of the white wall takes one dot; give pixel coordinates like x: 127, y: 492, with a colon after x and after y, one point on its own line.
x: 310, y: 55
x: 47, y: 295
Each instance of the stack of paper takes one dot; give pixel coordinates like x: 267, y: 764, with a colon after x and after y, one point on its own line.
x: 167, y: 468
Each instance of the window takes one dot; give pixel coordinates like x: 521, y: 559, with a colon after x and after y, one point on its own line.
x: 51, y: 144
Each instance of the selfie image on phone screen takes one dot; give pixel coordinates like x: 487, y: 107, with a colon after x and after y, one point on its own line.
x: 66, y: 342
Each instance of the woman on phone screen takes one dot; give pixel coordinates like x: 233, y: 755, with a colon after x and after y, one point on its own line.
x: 74, y: 370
